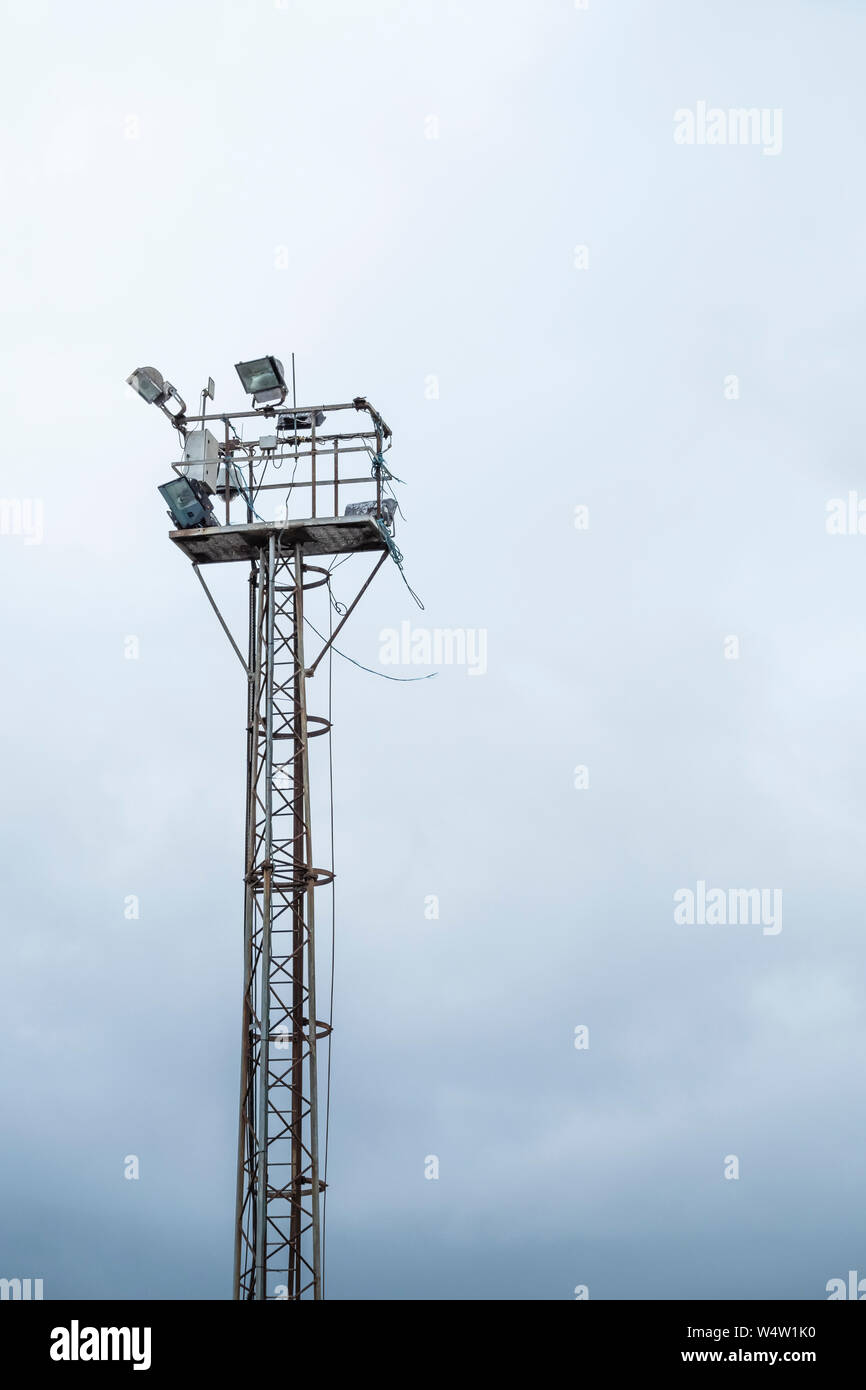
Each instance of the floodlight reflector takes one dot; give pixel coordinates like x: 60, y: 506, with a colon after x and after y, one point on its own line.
x: 389, y: 507
x: 262, y: 378
x: 153, y: 388
x: 149, y: 383
x: 300, y: 420
x: 188, y: 503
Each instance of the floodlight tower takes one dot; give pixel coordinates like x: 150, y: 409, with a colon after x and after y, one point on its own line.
x: 278, y: 1237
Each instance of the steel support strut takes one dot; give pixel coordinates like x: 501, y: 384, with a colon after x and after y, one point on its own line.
x: 277, y: 1237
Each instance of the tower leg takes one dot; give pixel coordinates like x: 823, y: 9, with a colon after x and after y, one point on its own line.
x: 277, y: 1239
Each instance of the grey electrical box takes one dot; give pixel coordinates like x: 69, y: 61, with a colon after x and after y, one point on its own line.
x: 201, y: 458
x: 389, y: 507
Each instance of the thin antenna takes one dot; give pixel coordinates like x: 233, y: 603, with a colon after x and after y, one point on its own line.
x: 294, y: 393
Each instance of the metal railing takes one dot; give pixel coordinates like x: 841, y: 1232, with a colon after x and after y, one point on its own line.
x: 313, y: 458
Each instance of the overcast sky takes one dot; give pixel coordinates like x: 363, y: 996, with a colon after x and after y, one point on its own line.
x: 478, y: 215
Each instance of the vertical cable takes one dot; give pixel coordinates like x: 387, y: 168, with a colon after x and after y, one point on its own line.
x: 333, y: 938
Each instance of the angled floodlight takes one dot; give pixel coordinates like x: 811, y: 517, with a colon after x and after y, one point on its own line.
x: 149, y: 383
x: 263, y: 379
x: 389, y: 507
x: 153, y: 388
x: 300, y: 420
x: 188, y: 503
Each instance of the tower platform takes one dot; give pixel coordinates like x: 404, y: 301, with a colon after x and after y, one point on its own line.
x: 324, y: 535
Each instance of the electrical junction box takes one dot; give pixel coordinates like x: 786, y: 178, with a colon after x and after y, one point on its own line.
x: 389, y: 506
x: 201, y: 456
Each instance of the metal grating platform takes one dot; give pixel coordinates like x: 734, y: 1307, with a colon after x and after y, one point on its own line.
x: 211, y: 545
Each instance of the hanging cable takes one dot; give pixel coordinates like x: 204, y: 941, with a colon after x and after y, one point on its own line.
x: 243, y: 494
x: 336, y: 606
x: 260, y: 484
x: 333, y: 949
x: 397, y: 557
x: 368, y: 669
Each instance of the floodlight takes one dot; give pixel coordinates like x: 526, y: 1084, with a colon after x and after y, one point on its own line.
x: 389, y: 506
x: 300, y: 420
x: 149, y: 383
x: 263, y: 379
x: 153, y: 388
x: 188, y: 503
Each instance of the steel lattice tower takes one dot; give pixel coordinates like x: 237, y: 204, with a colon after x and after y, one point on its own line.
x: 278, y: 1235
